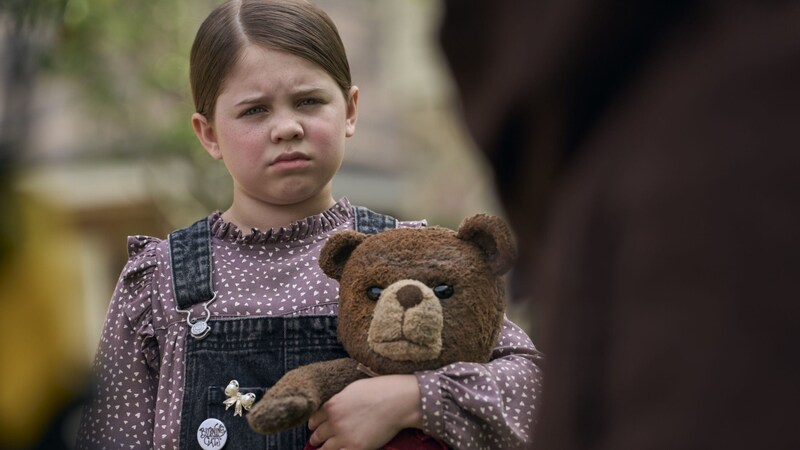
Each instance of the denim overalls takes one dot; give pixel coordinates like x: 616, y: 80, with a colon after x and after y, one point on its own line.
x: 254, y: 351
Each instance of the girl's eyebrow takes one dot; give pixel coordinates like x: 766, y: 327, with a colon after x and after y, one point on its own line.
x: 301, y: 92
x: 309, y: 91
x: 251, y: 100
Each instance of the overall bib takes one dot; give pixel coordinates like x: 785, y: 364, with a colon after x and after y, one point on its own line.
x: 254, y: 351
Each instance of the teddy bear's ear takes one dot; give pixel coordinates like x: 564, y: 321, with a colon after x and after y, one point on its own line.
x: 337, y: 251
x: 493, y: 238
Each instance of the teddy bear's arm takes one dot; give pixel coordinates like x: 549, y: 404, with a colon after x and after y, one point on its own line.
x: 299, y: 393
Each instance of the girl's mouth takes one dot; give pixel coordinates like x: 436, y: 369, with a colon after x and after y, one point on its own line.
x: 290, y: 160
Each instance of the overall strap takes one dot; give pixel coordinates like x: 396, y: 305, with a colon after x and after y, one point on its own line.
x: 370, y: 222
x: 190, y: 258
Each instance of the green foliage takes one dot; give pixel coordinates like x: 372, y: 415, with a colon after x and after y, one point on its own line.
x: 129, y: 61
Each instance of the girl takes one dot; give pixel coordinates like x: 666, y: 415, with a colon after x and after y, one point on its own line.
x: 239, y: 296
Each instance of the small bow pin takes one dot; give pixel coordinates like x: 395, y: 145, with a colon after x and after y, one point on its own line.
x: 236, y: 398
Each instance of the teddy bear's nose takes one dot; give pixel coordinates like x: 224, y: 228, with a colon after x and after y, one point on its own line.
x: 409, y: 296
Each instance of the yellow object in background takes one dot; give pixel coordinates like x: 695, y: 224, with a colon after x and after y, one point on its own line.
x: 42, y: 334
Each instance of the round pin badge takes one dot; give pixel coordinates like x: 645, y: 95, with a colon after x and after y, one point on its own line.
x: 212, y: 434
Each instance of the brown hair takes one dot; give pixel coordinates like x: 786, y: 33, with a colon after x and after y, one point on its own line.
x: 294, y: 26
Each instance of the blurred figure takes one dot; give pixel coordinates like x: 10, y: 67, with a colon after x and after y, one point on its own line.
x: 647, y: 155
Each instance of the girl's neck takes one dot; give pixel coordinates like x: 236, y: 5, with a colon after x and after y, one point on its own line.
x: 253, y: 214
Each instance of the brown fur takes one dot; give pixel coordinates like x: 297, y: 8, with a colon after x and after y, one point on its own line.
x: 463, y: 327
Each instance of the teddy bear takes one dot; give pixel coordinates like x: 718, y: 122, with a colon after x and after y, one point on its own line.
x: 410, y: 299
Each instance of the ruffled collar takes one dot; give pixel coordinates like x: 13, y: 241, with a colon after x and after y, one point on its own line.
x: 333, y: 217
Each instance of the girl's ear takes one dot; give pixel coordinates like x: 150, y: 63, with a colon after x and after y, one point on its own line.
x: 352, y: 111
x: 206, y: 134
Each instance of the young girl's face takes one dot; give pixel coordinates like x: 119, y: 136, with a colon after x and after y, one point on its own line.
x: 279, y: 126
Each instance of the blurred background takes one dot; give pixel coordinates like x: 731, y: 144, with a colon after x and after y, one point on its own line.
x: 96, y: 144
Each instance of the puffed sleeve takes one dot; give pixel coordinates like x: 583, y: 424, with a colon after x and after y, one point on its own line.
x: 485, y: 406
x: 121, y: 412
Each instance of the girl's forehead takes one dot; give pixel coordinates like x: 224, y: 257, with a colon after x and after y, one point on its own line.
x: 267, y: 59
x: 274, y: 58
x: 268, y: 68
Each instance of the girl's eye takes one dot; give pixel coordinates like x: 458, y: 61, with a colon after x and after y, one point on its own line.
x: 309, y: 102
x: 443, y: 291
x: 254, y: 110
x: 374, y: 292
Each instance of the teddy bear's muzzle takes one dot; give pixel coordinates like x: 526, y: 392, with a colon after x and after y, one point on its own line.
x: 407, y: 323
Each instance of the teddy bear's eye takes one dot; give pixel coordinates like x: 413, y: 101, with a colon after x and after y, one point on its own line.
x: 443, y: 291
x: 374, y: 292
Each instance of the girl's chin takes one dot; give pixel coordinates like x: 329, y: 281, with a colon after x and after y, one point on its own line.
x: 298, y: 195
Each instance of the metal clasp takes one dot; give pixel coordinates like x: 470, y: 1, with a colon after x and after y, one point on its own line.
x: 199, y: 328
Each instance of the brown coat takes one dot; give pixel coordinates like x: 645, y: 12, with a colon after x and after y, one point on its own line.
x: 647, y: 156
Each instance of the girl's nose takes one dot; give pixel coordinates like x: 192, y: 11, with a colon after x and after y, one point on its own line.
x: 286, y: 127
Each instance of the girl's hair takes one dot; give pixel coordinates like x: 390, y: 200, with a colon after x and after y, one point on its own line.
x: 294, y: 26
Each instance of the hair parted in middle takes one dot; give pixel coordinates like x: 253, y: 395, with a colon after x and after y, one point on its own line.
x: 295, y: 26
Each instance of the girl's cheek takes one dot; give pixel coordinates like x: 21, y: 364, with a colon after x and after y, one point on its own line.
x: 324, y: 132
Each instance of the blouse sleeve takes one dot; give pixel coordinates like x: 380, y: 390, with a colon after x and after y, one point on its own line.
x: 485, y: 406
x: 121, y: 412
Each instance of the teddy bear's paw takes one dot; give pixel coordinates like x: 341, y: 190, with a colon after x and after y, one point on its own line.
x: 280, y: 414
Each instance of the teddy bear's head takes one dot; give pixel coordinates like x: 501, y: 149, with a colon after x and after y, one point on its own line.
x: 419, y: 299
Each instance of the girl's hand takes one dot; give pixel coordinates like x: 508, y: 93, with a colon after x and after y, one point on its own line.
x: 367, y: 413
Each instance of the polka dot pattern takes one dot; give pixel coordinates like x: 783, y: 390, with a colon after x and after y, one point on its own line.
x: 140, y: 363
x: 485, y: 406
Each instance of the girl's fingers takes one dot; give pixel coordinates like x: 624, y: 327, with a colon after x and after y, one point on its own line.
x: 317, y: 418
x: 320, y: 435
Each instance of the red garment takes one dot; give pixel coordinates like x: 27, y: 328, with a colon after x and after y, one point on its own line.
x: 408, y: 439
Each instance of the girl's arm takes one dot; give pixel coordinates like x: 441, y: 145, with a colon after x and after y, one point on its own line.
x: 490, y: 405
x: 120, y: 414
x: 467, y: 405
x: 368, y: 413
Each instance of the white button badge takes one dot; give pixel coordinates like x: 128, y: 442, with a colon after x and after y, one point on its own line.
x: 212, y: 434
